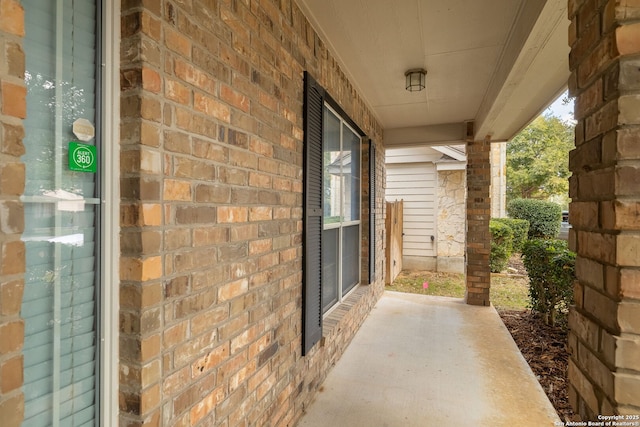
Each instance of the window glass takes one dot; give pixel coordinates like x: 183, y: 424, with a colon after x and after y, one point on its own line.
x: 350, y: 259
x: 61, y: 211
x: 332, y: 167
x: 330, y: 267
x: 341, y: 206
x: 351, y: 175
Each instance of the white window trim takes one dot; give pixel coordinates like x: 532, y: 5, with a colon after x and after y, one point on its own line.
x: 110, y: 166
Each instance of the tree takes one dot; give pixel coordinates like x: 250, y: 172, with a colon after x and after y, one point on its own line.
x: 538, y: 160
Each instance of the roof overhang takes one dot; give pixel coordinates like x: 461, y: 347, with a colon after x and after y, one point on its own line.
x: 496, y: 63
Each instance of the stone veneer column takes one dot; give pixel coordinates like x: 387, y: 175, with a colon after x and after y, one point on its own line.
x: 12, y: 178
x: 498, y: 179
x: 604, y: 369
x: 478, y: 273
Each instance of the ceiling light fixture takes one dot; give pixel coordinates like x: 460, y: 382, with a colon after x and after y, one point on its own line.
x: 415, y: 79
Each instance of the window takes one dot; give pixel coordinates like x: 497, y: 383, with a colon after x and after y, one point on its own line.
x: 60, y: 306
x: 341, y: 209
x: 333, y: 238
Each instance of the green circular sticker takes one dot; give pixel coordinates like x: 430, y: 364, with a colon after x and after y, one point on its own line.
x: 82, y: 157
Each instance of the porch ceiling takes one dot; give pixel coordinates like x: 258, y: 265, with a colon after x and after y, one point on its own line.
x: 498, y: 63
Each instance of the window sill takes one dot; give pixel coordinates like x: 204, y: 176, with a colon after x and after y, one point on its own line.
x: 343, y: 315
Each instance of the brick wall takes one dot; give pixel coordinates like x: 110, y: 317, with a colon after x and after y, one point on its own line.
x: 211, y: 214
x: 604, y: 368
x: 12, y: 178
x: 478, y: 216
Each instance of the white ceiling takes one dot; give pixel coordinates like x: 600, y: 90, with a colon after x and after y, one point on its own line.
x: 495, y: 62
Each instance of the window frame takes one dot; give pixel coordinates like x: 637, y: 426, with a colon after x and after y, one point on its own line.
x: 107, y: 212
x: 343, y: 222
x: 315, y: 98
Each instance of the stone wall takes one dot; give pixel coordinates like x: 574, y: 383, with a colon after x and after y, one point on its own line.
x: 604, y: 369
x: 12, y: 179
x: 211, y: 214
x: 451, y: 220
x: 498, y: 179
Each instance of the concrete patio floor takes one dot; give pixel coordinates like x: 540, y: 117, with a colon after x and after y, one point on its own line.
x: 430, y: 361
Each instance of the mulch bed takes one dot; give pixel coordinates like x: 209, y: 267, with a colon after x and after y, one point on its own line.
x: 545, y: 349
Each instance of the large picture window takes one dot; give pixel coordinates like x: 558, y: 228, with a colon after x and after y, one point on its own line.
x: 341, y: 209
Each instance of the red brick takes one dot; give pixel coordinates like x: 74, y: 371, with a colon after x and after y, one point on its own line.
x: 234, y: 98
x: 12, y: 409
x: 597, y: 60
x: 211, y: 107
x: 230, y: 214
x: 150, y: 25
x: 14, y: 99
x: 210, y: 360
x: 177, y: 92
x: 151, y: 80
x: 206, y: 405
x: 177, y: 42
x: 12, y: 260
x: 189, y: 74
x: 11, y: 297
x: 12, y: 17
x: 11, y: 374
x: 15, y: 59
x: 629, y: 109
x: 589, y: 100
x: 628, y: 39
x: 177, y: 190
x: 11, y: 336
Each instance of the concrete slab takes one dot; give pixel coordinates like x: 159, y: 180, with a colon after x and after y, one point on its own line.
x: 430, y: 361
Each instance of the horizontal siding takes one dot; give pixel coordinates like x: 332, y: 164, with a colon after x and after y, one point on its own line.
x: 412, y: 155
x: 410, y: 176
x: 415, y: 183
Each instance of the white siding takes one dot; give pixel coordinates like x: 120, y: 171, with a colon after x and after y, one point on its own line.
x: 416, y: 184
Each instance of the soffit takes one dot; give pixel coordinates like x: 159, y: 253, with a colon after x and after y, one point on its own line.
x: 495, y: 62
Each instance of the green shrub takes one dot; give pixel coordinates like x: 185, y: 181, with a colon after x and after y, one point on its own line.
x: 551, y: 269
x: 520, y: 228
x: 501, y: 245
x: 544, y: 217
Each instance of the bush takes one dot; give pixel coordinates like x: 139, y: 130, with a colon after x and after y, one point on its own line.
x: 520, y: 228
x: 544, y: 217
x: 551, y: 269
x: 501, y: 245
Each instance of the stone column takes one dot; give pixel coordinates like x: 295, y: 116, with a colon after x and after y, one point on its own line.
x: 604, y: 368
x: 13, y: 110
x: 478, y: 273
x: 498, y: 179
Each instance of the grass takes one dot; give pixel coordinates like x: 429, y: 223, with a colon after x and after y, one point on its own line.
x: 507, y: 292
